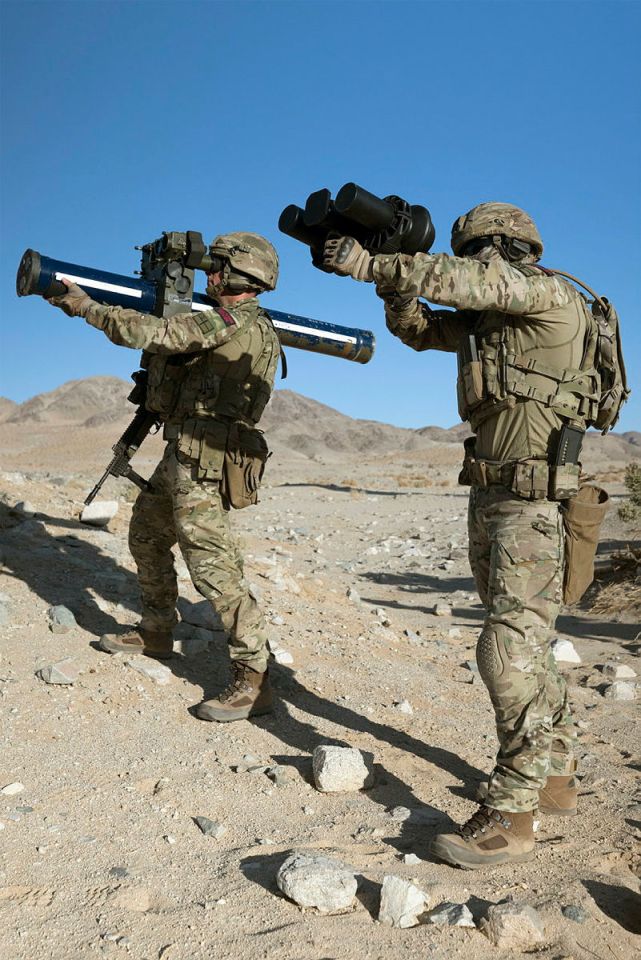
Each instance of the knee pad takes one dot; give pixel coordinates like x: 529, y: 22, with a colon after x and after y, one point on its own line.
x: 490, y: 656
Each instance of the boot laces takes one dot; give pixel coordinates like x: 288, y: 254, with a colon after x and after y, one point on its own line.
x: 237, y: 684
x: 484, y: 819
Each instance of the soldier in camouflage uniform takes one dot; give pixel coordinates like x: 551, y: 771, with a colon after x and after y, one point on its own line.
x: 526, y: 353
x: 210, y: 375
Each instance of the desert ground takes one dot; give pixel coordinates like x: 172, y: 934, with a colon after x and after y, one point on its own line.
x: 359, y: 535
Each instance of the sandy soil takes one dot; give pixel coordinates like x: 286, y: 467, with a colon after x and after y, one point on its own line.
x: 100, y: 851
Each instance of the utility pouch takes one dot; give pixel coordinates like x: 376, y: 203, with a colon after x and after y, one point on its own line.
x: 582, y: 519
x: 244, y: 465
x: 530, y: 479
x: 470, y: 385
x: 564, y: 481
x: 203, y: 443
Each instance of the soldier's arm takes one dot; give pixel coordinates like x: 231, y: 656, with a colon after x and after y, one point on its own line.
x: 182, y: 333
x: 422, y: 328
x: 469, y: 285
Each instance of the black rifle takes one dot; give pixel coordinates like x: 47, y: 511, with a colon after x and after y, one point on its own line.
x: 387, y: 225
x: 124, y: 448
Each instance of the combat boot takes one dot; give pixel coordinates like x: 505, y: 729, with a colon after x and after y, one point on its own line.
x: 559, y: 796
x: 489, y: 837
x: 152, y: 643
x: 248, y: 695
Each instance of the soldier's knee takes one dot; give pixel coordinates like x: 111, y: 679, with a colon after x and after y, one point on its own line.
x: 490, y: 656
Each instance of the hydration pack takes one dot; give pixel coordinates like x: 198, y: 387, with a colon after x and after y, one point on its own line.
x: 608, y: 356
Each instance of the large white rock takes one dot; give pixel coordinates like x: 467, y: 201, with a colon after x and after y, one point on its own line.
x: 99, y: 513
x: 565, y: 652
x: 340, y: 769
x: 513, y: 926
x: 620, y: 690
x: 402, y: 902
x: 311, y: 880
x: 618, y: 671
x: 157, y: 672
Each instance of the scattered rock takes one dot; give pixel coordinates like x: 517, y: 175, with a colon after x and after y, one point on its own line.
x: 472, y: 666
x: 280, y: 775
x: 402, y: 903
x: 282, y: 656
x: 400, y: 813
x: 99, y: 513
x: 513, y: 926
x: 190, y: 640
x: 61, y: 619
x: 157, y: 672
x: 4, y: 615
x: 311, y: 880
x: 199, y: 614
x: 353, y: 594
x: 404, y: 706
x: 65, y: 671
x: 618, y: 671
x: 26, y: 508
x: 620, y: 690
x: 575, y: 912
x: 411, y: 859
x: 455, y: 633
x: 277, y: 620
x: 564, y: 651
x: 451, y: 915
x: 211, y: 828
x: 340, y: 769
x: 442, y: 610
x: 12, y: 789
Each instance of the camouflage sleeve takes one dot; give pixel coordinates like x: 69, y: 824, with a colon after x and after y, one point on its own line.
x: 182, y: 333
x: 469, y: 285
x: 422, y: 328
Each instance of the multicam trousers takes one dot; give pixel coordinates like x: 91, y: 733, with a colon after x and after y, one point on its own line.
x: 516, y: 555
x: 182, y: 510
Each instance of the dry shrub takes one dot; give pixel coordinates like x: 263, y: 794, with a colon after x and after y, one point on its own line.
x: 413, y: 481
x: 619, y: 585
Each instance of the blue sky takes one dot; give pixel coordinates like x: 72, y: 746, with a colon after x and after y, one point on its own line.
x: 121, y: 120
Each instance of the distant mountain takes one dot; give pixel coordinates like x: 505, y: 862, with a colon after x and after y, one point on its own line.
x: 7, y: 407
x: 76, y: 401
x: 292, y: 422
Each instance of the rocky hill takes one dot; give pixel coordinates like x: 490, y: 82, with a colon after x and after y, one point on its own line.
x: 293, y: 423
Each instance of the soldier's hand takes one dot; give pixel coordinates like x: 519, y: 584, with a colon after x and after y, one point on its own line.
x: 75, y: 302
x: 346, y: 257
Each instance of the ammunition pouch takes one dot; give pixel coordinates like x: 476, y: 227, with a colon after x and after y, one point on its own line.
x: 530, y: 479
x: 582, y: 519
x: 243, y: 466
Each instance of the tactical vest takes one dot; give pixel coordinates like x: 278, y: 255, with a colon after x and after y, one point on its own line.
x: 184, y: 386
x: 495, y: 373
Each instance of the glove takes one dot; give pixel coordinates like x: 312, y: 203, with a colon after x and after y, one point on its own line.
x: 346, y: 257
x: 75, y: 302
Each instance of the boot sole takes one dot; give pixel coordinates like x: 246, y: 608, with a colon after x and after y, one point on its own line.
x: 555, y: 812
x: 227, y: 716
x: 467, y: 860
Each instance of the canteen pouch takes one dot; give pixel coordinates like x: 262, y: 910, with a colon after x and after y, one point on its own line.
x: 244, y: 465
x: 582, y: 519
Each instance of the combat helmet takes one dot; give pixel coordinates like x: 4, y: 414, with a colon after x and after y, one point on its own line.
x: 250, y: 261
x: 496, y: 220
